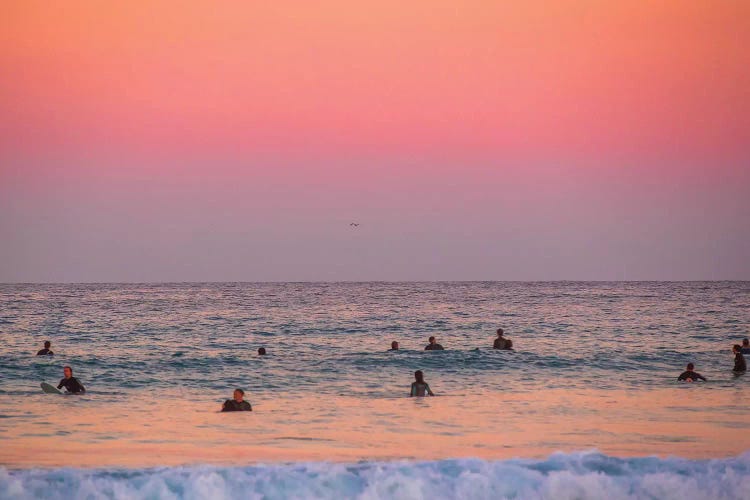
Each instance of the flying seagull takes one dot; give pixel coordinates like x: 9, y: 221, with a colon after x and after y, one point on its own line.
x: 355, y: 224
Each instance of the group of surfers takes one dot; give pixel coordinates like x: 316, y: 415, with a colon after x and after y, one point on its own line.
x: 419, y: 387
x: 500, y: 342
x: 740, y: 365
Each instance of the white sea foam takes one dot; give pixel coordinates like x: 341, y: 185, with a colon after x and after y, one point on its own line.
x: 561, y: 476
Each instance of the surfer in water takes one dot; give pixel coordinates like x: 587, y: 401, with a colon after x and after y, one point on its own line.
x: 394, y: 346
x: 501, y: 342
x: 689, y: 375
x: 71, y: 384
x: 745, y: 346
x: 433, y: 345
x: 45, y: 351
x: 262, y: 351
x: 740, y: 366
x: 237, y: 403
x: 420, y: 388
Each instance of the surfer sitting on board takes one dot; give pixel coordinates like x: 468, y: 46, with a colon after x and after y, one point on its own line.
x: 689, y: 375
x: 237, y: 404
x: 501, y: 342
x: 71, y: 384
x: 45, y: 351
x: 420, y: 387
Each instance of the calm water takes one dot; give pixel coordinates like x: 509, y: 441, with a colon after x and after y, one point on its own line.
x: 594, y: 368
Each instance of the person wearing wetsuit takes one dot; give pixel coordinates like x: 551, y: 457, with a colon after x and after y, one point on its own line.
x: 433, y: 345
x: 739, y: 360
x: 420, y: 388
x: 689, y: 375
x: 394, y: 346
x: 71, y: 384
x: 501, y: 342
x: 745, y: 346
x: 45, y: 351
x: 236, y: 404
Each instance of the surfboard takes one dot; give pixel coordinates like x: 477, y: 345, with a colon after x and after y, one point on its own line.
x: 50, y: 389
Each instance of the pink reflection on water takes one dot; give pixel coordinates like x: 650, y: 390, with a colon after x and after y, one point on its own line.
x: 181, y: 427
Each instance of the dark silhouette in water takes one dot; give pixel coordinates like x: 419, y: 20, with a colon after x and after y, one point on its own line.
x: 433, y: 345
x: 71, y: 384
x: 262, y: 351
x: 745, y: 346
x: 420, y: 387
x: 237, y: 403
x: 394, y: 346
x: 739, y: 360
x: 689, y: 375
x: 45, y: 351
x: 501, y: 342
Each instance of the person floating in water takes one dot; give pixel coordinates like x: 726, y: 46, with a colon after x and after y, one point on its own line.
x: 237, y: 403
x: 394, y: 346
x: 71, y: 384
x: 745, y: 346
x: 501, y: 342
x: 433, y: 345
x: 45, y: 351
x: 739, y: 360
x: 689, y: 375
x: 262, y: 351
x: 420, y: 387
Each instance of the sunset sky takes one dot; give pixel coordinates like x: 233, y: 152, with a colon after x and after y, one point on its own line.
x: 477, y: 140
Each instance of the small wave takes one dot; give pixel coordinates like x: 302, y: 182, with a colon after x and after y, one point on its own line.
x: 561, y: 476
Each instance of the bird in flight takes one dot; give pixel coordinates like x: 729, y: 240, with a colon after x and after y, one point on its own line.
x: 355, y: 224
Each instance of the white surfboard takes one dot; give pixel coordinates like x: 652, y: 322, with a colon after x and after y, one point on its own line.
x: 50, y: 389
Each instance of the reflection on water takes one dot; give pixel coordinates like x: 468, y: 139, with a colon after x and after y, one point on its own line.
x: 180, y: 427
x: 595, y: 367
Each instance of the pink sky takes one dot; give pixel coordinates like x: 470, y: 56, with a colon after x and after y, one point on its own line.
x: 156, y: 141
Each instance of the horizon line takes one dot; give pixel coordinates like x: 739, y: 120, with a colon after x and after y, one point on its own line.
x: 362, y: 282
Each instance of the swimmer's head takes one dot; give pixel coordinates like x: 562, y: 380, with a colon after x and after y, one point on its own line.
x: 394, y: 345
x: 736, y: 348
x: 47, y: 344
x: 262, y: 351
x: 432, y: 340
x: 419, y: 376
x: 68, y: 371
x: 745, y: 342
x: 238, y: 395
x: 499, y: 332
x: 690, y: 367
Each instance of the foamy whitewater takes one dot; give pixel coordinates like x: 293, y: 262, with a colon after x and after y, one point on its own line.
x: 594, y: 369
x: 562, y: 476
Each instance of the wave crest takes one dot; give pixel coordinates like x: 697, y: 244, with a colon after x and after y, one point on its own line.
x: 561, y: 476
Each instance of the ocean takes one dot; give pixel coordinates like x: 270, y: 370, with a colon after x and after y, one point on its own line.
x: 587, y: 406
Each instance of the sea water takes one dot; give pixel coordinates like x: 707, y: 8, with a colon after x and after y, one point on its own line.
x: 586, y: 404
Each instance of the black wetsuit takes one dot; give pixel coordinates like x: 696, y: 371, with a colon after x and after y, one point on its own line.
x: 745, y: 350
x: 232, y: 405
x: 739, y: 363
x: 72, y: 385
x: 45, y: 352
x: 503, y: 343
x: 690, y: 375
x: 434, y: 347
